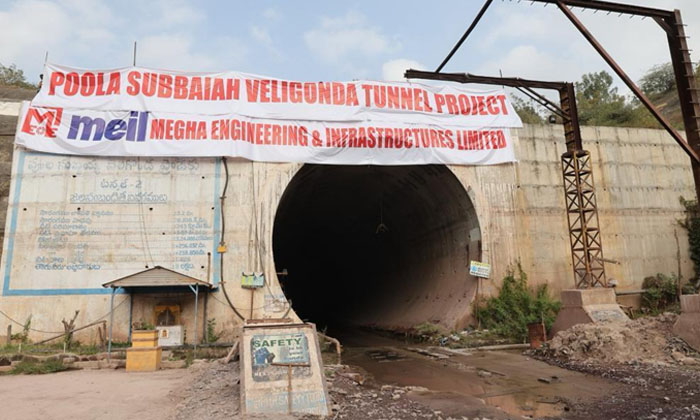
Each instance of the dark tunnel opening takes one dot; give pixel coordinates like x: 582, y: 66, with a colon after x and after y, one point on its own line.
x: 377, y: 246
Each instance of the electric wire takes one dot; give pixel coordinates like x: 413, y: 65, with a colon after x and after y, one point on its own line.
x: 142, y: 217
x: 61, y: 332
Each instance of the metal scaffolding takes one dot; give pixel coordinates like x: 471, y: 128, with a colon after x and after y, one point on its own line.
x: 577, y: 170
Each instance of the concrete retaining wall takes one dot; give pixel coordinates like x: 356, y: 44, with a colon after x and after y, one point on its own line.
x: 639, y: 175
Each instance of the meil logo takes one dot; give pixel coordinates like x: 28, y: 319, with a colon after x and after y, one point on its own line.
x: 42, y: 121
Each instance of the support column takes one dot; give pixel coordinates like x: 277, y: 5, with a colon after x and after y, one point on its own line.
x: 111, y: 324
x: 582, y: 215
x: 685, y: 82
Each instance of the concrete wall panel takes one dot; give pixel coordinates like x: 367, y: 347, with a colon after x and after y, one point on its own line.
x: 640, y: 175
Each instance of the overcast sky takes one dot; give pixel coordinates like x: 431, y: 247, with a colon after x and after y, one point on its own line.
x: 324, y: 40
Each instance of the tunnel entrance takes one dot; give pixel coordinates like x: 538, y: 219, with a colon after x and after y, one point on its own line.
x: 384, y: 246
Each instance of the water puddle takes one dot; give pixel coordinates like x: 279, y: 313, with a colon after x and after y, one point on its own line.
x: 498, y: 385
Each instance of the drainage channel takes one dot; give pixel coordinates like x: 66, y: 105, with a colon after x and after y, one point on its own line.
x: 492, y: 384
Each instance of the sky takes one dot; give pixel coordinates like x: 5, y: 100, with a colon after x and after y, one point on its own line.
x: 324, y: 40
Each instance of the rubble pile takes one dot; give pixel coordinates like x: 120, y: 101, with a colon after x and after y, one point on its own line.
x: 646, y: 340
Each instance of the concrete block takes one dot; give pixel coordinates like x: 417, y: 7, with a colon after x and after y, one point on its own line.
x: 143, y: 359
x: 632, y: 301
x: 173, y: 364
x: 282, y: 371
x: 86, y: 365
x: 113, y: 364
x: 144, y: 338
x: 582, y: 306
x: 687, y: 325
x: 690, y: 303
x: 580, y: 297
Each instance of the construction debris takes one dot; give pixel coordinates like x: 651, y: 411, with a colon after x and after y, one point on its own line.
x: 647, y: 340
x: 428, y: 353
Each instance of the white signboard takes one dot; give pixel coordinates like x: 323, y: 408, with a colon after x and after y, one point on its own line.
x: 145, y: 112
x: 131, y: 133
x: 143, y: 89
x: 75, y: 223
x: 480, y: 269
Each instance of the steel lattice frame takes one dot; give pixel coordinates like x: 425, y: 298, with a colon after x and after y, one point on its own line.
x: 579, y: 189
x: 582, y: 215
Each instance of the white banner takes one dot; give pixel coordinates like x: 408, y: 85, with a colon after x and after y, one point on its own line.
x: 140, y: 133
x: 141, y: 89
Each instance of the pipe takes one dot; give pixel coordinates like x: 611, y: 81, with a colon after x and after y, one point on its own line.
x: 111, y: 324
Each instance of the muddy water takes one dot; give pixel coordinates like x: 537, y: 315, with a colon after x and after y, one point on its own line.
x: 496, y: 384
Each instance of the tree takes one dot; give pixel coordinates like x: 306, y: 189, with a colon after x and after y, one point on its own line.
x: 658, y: 80
x: 526, y: 111
x: 12, y: 76
x: 600, y: 104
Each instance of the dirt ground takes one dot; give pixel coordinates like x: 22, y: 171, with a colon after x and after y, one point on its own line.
x: 574, y: 378
x: 92, y: 394
x: 393, y: 382
x: 397, y: 384
x: 657, y: 374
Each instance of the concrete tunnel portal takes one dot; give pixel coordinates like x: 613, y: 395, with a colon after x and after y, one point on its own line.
x: 382, y: 246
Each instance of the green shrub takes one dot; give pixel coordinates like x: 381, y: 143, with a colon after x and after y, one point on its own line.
x: 23, y: 337
x: 428, y: 330
x: 691, y: 223
x: 29, y: 367
x: 660, y: 294
x: 144, y: 326
x: 516, y: 306
x: 212, y: 336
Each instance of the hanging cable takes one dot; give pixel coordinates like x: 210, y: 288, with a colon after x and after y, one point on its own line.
x: 59, y: 332
x: 142, y: 217
x: 222, y: 242
x: 259, y: 254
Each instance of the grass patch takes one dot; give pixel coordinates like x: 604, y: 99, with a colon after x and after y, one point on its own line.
x: 38, y: 368
x: 516, y: 306
x: 56, y: 348
x: 189, y: 358
x: 427, y: 330
x: 661, y: 294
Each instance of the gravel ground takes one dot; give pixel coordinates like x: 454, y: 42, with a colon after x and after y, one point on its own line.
x: 647, y: 392
x: 658, y: 372
x: 214, y: 393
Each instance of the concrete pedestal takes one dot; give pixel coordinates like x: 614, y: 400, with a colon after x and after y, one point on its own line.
x: 687, y: 326
x: 145, y: 354
x: 582, y: 306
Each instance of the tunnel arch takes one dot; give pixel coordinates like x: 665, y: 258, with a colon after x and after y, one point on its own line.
x: 384, y: 246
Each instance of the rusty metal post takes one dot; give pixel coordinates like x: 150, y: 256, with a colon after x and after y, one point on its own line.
x: 580, y: 200
x: 685, y: 82
x: 626, y: 79
x: 579, y: 190
x: 582, y: 216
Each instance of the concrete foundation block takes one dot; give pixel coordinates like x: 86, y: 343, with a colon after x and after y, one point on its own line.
x: 687, y: 325
x: 85, y: 365
x: 143, y: 359
x: 173, y: 364
x: 582, y: 306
